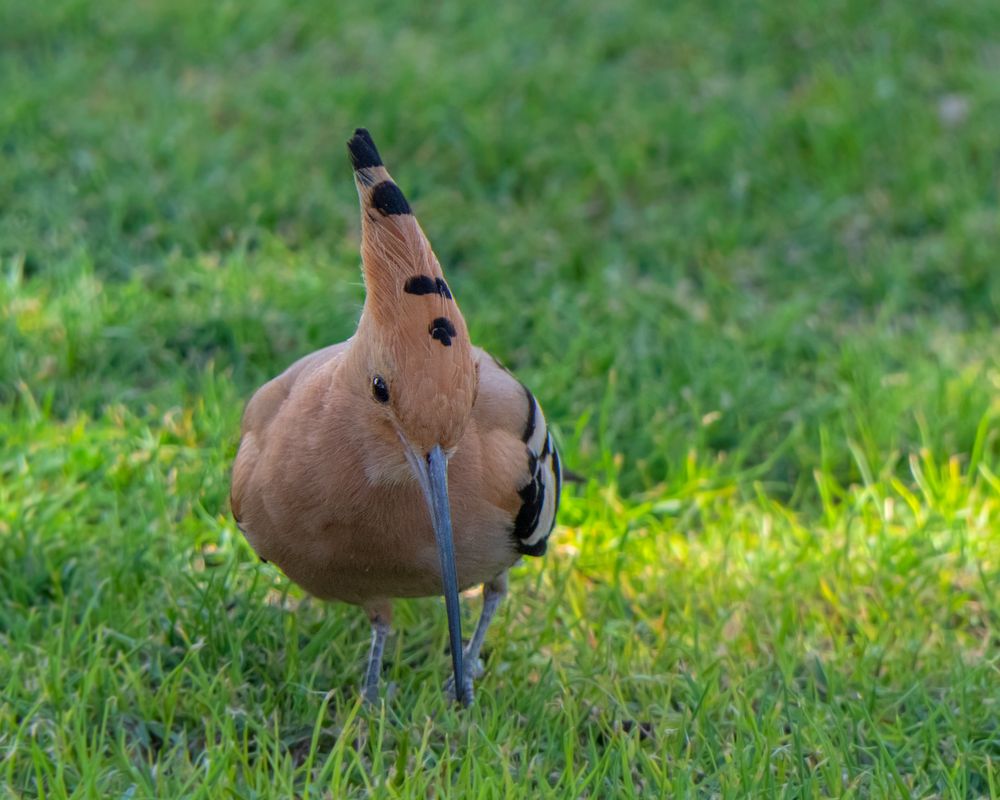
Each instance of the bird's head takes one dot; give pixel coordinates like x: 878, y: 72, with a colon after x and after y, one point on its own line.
x: 416, y: 357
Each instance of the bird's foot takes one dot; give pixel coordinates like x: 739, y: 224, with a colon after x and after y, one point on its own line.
x: 473, y: 671
x: 371, y: 696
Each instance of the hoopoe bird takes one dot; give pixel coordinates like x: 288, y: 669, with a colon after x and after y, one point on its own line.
x: 403, y: 462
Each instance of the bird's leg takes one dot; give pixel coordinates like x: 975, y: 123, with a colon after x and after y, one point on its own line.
x: 494, y: 592
x: 381, y: 621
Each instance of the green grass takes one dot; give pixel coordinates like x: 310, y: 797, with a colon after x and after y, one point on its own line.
x: 745, y: 256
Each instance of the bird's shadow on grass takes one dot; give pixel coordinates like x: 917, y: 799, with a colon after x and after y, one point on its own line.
x: 259, y: 632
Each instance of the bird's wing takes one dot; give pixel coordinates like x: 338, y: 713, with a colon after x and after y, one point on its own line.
x: 505, y: 408
x: 261, y: 411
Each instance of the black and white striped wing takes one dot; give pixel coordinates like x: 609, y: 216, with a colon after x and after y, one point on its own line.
x: 540, y: 495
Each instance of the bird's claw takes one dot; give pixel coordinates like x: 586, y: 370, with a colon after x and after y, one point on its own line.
x: 449, y: 691
x: 473, y: 671
x: 370, y: 694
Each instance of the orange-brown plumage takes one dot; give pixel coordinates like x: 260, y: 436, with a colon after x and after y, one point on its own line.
x: 330, y: 479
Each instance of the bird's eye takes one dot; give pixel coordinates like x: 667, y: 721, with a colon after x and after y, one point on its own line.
x: 379, y: 389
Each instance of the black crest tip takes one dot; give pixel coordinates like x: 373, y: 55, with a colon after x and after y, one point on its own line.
x: 363, y: 151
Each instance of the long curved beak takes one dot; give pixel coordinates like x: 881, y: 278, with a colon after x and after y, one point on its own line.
x: 432, y: 472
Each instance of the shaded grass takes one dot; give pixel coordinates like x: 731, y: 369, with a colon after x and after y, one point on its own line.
x: 744, y: 257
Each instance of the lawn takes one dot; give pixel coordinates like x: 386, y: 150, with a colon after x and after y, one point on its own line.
x: 746, y: 256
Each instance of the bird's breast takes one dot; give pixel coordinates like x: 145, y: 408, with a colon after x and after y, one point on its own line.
x: 365, y: 531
